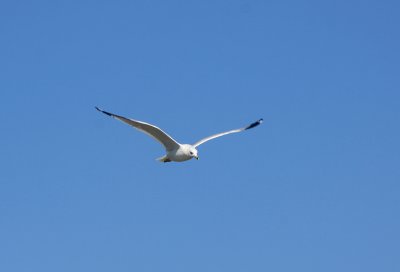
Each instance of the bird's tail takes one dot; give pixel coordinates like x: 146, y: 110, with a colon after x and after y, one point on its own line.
x: 163, y: 159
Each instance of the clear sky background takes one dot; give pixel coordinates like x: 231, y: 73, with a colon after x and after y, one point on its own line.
x: 315, y: 188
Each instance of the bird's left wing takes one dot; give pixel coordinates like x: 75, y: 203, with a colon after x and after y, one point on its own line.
x: 252, y: 125
x: 167, y: 141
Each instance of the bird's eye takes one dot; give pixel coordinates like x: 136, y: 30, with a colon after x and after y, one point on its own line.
x: 191, y: 153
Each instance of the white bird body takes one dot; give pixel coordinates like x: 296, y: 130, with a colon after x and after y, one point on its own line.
x: 175, y: 151
x: 183, y: 153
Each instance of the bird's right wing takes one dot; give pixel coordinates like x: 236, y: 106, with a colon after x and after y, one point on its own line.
x: 167, y: 141
x: 252, y: 125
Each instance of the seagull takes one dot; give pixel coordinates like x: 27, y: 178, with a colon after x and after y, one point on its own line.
x: 176, y: 152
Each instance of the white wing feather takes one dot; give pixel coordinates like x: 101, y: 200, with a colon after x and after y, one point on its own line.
x: 252, y: 125
x: 167, y: 141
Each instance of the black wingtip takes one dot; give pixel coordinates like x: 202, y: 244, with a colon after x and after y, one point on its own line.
x: 100, y: 110
x: 253, y: 125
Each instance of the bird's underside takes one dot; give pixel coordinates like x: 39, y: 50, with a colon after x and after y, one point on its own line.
x: 175, y: 151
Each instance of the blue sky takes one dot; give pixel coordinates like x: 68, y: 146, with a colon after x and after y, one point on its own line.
x: 315, y: 188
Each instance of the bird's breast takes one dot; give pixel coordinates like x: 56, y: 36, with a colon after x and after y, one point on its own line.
x: 179, y: 155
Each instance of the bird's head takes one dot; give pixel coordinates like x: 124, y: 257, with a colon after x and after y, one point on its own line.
x: 193, y: 153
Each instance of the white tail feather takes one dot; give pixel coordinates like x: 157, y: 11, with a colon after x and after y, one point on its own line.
x: 163, y: 159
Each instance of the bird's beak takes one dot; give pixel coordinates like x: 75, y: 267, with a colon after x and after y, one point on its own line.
x: 197, y: 157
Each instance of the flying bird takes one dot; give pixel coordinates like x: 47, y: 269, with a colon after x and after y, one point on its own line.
x: 175, y: 151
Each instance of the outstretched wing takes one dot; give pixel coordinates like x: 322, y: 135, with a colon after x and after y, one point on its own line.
x: 167, y: 141
x: 252, y: 125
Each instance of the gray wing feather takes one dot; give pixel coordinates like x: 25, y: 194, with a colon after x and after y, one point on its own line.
x: 167, y: 141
